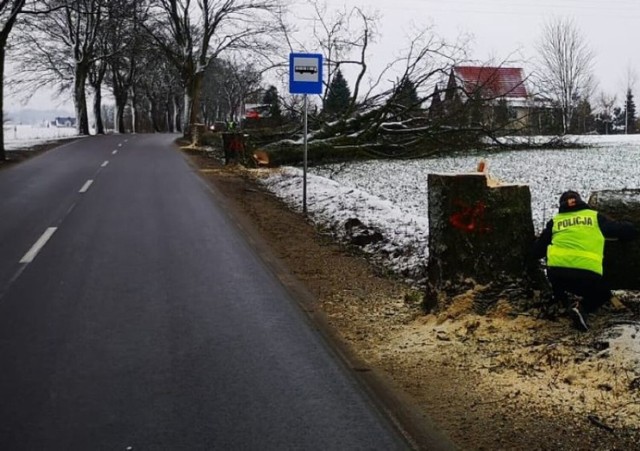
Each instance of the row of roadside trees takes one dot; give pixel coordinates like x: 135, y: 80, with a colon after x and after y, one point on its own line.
x: 168, y: 64
x: 150, y: 54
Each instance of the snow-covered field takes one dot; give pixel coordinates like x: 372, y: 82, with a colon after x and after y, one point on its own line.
x: 391, y: 196
x: 18, y: 137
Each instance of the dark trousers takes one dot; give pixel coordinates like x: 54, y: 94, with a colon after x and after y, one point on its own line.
x: 588, y: 285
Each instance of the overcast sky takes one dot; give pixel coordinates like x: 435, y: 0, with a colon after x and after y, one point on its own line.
x: 503, y: 29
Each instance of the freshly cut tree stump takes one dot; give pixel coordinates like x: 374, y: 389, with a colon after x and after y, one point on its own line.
x: 480, y: 234
x: 197, y: 132
x: 621, y: 259
x: 233, y: 146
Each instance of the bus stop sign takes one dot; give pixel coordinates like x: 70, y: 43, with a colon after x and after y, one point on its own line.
x: 305, y: 73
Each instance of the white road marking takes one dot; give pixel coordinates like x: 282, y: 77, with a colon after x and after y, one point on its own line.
x: 105, y: 164
x: 86, y: 186
x: 120, y: 145
x: 114, y: 152
x: 29, y: 256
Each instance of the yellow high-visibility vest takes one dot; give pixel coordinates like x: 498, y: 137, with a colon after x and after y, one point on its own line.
x: 577, y: 241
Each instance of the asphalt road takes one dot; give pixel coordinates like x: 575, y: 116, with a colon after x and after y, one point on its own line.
x: 133, y: 313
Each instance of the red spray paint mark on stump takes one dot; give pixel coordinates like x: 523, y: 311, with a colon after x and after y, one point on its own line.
x: 235, y: 145
x: 469, y: 219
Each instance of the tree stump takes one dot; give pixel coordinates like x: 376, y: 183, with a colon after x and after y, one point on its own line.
x: 480, y: 233
x: 621, y: 259
x: 197, y: 131
x: 233, y: 146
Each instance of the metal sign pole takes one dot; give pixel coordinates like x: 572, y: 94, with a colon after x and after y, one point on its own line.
x: 305, y: 77
x: 304, y: 171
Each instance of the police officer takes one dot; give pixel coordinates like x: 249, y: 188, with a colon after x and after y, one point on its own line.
x: 573, y: 244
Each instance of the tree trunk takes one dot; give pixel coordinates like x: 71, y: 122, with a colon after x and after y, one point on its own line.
x: 176, y: 115
x: 80, y: 100
x: 186, y: 113
x: 168, y: 114
x: 153, y: 114
x: 192, y: 103
x: 134, y: 111
x: 621, y: 259
x: 121, y: 97
x: 196, y: 94
x: 97, y: 111
x: 118, y: 116
x: 3, y: 154
x: 480, y: 237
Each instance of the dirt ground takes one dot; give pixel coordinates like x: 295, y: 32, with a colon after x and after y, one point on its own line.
x: 504, y: 380
x: 500, y: 381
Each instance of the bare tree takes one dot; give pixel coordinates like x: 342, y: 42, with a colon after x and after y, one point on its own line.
x: 229, y: 84
x: 606, y: 104
x: 127, y: 50
x: 344, y: 37
x: 9, y: 11
x: 158, y: 84
x: 59, y: 48
x: 565, y: 72
x: 108, y: 41
x: 95, y: 78
x: 195, y: 33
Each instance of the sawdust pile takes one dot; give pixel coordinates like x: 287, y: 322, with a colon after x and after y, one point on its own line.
x: 508, y: 365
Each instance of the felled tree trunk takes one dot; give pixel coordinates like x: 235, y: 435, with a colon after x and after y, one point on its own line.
x: 621, y: 259
x: 479, y: 235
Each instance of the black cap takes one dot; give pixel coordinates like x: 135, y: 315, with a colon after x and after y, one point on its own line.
x: 569, y: 199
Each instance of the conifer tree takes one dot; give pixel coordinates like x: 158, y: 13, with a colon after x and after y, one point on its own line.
x: 407, y: 95
x: 271, y: 98
x: 501, y: 113
x: 338, y: 97
x: 630, y: 116
x: 474, y: 110
x: 436, y: 108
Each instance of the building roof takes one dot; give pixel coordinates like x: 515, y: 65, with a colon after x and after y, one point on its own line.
x: 492, y: 81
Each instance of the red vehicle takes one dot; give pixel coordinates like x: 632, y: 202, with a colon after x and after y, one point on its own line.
x: 256, y: 110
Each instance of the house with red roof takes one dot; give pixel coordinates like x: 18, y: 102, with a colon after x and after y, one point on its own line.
x: 64, y: 122
x: 490, y: 88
